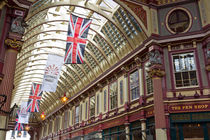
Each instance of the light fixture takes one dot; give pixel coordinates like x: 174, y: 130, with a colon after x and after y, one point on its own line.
x: 64, y: 99
x: 27, y: 127
x: 42, y: 116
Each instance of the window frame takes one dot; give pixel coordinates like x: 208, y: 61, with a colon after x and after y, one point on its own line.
x: 121, y: 92
x: 173, y: 68
x: 92, y: 108
x: 105, y: 100
x: 130, y: 93
x: 77, y: 115
x: 113, y: 96
x: 145, y: 79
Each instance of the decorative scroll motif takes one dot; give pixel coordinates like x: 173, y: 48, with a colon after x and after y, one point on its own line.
x: 138, y: 10
x: 13, y: 43
x: 18, y: 25
x: 155, y: 57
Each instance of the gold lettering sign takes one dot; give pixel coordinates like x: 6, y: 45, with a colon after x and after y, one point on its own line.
x: 188, y: 107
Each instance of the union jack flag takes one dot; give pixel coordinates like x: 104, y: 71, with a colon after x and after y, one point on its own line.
x: 18, y: 126
x: 76, y: 39
x: 34, y: 98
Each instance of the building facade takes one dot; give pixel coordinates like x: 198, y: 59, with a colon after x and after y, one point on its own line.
x: 155, y: 87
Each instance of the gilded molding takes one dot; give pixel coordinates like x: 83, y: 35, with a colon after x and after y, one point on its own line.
x: 156, y: 72
x: 208, y: 68
x: 14, y: 44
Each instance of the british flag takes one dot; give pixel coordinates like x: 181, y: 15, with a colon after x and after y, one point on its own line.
x: 18, y: 126
x: 34, y: 98
x: 76, y: 39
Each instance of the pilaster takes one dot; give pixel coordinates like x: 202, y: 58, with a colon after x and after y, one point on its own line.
x: 156, y: 71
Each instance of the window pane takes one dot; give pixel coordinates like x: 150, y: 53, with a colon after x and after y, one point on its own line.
x: 121, y: 92
x: 178, y: 78
x: 193, y: 78
x: 185, y: 77
x: 104, y: 100
x: 92, y: 106
x: 86, y: 105
x: 185, y: 70
x: 113, y: 95
x: 134, y: 85
x: 77, y: 115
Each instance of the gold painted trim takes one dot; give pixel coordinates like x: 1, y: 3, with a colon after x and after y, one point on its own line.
x: 189, y: 100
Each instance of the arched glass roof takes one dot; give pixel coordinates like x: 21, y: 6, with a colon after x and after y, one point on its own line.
x: 113, y: 34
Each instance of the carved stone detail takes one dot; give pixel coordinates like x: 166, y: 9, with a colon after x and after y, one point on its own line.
x: 155, y: 57
x: 18, y: 25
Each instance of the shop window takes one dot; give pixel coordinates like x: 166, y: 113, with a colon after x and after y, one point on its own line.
x: 77, y: 115
x: 150, y: 126
x: 113, y: 95
x: 115, y: 133
x: 184, y: 70
x: 149, y: 84
x: 105, y: 100
x: 135, y: 131
x: 134, y: 85
x: 92, y: 106
x: 121, y: 92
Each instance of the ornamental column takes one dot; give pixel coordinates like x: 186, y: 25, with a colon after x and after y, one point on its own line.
x: 156, y: 71
x: 12, y: 45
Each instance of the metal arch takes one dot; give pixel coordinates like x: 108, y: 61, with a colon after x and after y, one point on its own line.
x: 42, y: 47
x: 49, y: 95
x: 48, y: 53
x: 90, y: 40
x: 87, y: 6
x: 73, y: 69
x: 46, y: 101
x: 100, y: 50
x: 108, y: 42
x: 26, y: 78
x: 88, y: 64
x: 97, y: 32
x: 43, y: 69
x: 42, y: 74
x: 17, y: 74
x: 94, y: 58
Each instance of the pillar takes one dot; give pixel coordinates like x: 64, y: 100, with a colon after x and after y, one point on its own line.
x: 126, y: 99
x: 156, y: 71
x: 127, y: 131
x: 7, y: 85
x: 143, y: 129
